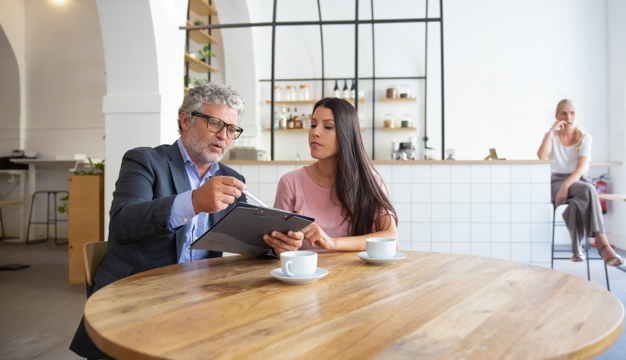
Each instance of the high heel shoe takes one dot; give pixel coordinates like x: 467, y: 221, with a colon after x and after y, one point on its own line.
x: 612, y: 261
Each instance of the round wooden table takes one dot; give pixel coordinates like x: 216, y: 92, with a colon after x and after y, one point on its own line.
x: 426, y: 306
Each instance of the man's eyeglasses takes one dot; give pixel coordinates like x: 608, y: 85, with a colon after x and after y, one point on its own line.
x: 216, y: 125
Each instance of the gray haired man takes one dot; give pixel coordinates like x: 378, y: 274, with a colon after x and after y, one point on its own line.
x: 165, y: 197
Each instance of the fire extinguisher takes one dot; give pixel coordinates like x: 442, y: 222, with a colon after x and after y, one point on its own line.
x: 601, y: 188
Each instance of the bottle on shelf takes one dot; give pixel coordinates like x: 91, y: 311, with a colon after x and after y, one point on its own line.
x: 304, y: 93
x: 283, y: 118
x: 297, y: 124
x: 404, y: 91
x: 336, y: 91
x: 291, y: 93
x: 353, y: 90
x: 346, y: 91
x: 392, y: 91
x: 290, y: 120
x: 277, y: 93
x: 306, y: 121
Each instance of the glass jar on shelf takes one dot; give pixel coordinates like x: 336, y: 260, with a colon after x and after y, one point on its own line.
x: 277, y: 93
x: 392, y: 92
x: 291, y: 93
x: 305, y: 95
x: 406, y: 121
x: 404, y: 92
x: 389, y: 121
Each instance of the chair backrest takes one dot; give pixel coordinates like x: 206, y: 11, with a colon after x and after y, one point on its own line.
x: 93, y: 253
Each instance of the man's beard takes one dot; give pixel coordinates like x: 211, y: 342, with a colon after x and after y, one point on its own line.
x: 201, y: 151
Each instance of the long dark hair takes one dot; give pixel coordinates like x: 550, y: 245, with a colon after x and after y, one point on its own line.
x: 355, y: 185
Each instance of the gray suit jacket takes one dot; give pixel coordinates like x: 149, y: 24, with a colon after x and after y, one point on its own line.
x: 139, y: 238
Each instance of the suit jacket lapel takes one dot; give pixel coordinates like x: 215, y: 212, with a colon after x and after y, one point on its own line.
x: 179, y: 178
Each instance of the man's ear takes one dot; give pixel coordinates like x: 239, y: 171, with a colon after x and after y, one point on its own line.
x: 185, y: 121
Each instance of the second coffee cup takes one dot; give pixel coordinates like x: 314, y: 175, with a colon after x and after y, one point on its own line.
x: 380, y: 248
x: 298, y: 263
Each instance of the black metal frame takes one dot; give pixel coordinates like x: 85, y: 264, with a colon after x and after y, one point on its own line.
x: 356, y: 22
x: 606, y: 272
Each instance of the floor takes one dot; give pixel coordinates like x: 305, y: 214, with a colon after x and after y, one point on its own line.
x: 40, y: 311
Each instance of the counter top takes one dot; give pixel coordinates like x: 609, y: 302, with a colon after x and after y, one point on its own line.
x: 394, y: 162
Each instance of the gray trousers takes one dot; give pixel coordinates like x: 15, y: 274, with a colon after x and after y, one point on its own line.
x: 583, y: 215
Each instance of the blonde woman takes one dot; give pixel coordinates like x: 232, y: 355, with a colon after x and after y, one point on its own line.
x: 569, y: 148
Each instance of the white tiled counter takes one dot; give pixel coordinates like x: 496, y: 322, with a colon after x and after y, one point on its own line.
x: 497, y: 209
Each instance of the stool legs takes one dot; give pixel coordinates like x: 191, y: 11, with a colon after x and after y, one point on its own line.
x: 49, y: 220
x: 606, y: 271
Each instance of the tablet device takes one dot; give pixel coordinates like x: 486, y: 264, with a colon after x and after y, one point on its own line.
x: 241, y: 230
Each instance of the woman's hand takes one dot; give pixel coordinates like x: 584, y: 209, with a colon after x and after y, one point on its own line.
x: 561, y: 196
x: 558, y: 125
x: 280, y: 242
x: 317, y: 237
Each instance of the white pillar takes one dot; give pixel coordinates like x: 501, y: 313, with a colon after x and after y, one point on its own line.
x: 143, y: 50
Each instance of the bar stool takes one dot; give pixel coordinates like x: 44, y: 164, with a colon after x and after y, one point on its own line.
x: 586, y: 247
x: 50, y: 194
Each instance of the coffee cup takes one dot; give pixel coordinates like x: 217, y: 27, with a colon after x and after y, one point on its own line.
x: 298, y: 263
x: 380, y: 248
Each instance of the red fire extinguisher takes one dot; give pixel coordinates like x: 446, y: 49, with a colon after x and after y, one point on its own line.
x: 601, y: 188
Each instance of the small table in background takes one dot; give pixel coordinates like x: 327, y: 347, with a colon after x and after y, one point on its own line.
x: 614, y: 197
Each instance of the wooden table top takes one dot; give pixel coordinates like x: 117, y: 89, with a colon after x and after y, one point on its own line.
x: 426, y: 306
x: 615, y: 197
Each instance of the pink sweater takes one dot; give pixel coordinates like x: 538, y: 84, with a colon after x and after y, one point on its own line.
x: 297, y: 192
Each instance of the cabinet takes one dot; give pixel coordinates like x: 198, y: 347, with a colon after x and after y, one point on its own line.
x: 86, y: 220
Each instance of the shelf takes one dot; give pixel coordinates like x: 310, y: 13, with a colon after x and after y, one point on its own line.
x: 361, y: 101
x: 199, y: 65
x: 296, y: 102
x: 202, y: 8
x: 201, y: 36
x: 351, y: 101
x: 298, y: 130
x: 397, y: 129
x: 398, y: 100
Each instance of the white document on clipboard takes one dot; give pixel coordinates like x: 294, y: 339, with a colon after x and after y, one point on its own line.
x: 241, y: 230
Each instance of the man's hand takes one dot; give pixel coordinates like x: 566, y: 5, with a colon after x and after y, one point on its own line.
x: 216, y: 194
x: 318, y: 237
x: 280, y: 242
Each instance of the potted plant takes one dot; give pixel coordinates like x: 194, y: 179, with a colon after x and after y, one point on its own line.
x: 205, y: 53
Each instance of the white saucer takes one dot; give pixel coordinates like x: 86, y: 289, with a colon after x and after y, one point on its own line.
x: 278, y: 274
x: 381, y: 261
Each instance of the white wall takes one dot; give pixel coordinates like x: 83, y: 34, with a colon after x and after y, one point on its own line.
x: 507, y: 64
x: 616, y: 9
x: 60, y: 60
x: 143, y: 49
x: 12, y: 21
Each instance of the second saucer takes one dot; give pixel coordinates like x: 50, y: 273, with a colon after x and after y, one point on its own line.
x: 381, y: 261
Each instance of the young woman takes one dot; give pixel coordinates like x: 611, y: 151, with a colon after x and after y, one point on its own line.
x: 342, y: 190
x: 569, y: 148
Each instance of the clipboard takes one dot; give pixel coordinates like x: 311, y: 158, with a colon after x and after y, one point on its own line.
x: 241, y: 230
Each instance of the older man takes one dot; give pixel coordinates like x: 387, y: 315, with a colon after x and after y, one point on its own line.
x: 166, y: 197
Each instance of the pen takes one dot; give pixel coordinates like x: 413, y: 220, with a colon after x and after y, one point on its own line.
x: 253, y: 198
